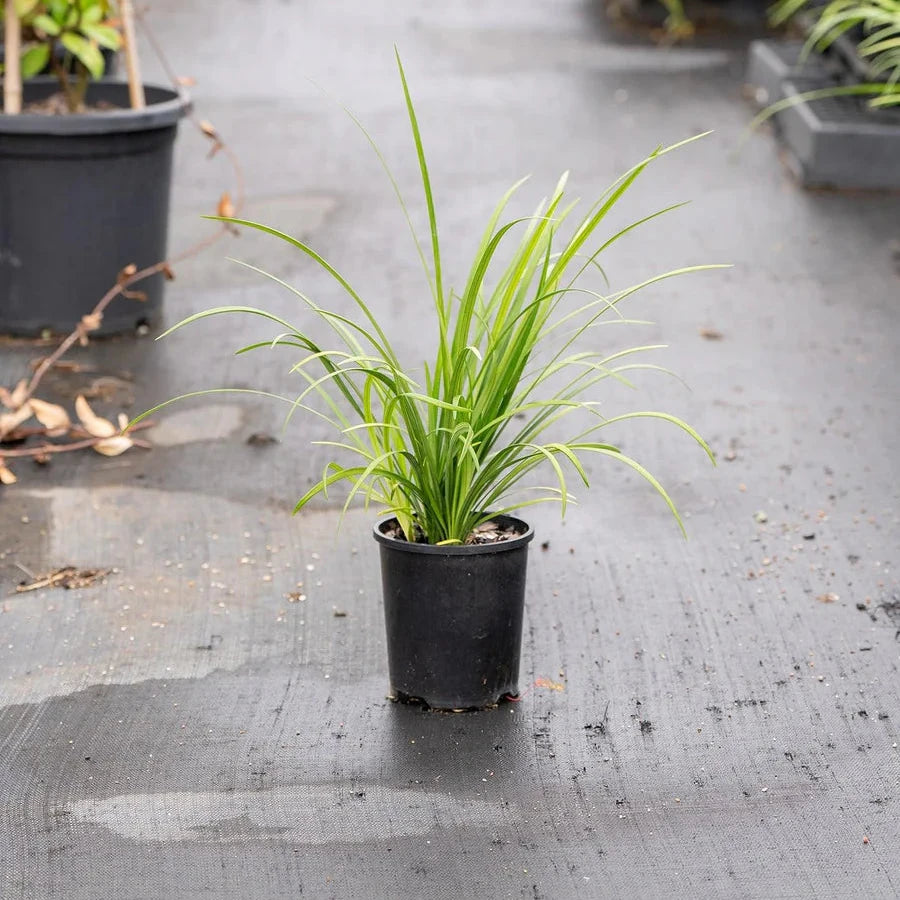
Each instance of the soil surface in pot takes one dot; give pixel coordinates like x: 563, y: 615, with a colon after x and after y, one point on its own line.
x: 55, y: 105
x: 486, y: 533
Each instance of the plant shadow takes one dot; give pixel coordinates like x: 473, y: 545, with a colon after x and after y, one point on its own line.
x: 457, y: 751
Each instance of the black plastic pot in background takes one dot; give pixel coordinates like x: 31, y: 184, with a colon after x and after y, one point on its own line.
x: 453, y: 616
x: 81, y: 197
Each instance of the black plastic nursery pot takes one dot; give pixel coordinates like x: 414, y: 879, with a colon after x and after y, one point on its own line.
x: 453, y: 616
x: 82, y: 197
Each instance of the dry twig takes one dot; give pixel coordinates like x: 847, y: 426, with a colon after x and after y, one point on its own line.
x: 68, y: 577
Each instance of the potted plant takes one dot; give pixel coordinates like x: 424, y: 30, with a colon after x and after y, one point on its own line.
x: 85, y: 168
x: 835, y: 97
x: 447, y: 452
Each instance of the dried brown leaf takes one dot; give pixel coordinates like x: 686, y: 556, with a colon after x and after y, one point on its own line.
x: 20, y: 392
x: 114, y: 446
x: 11, y: 420
x: 711, y: 334
x: 110, y: 388
x: 54, y: 418
x: 93, y: 424
x: 226, y: 207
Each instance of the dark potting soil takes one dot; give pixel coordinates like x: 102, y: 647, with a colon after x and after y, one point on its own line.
x: 486, y: 533
x: 55, y: 105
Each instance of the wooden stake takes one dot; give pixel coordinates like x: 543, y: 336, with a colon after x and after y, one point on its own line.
x: 12, y: 72
x: 135, y: 85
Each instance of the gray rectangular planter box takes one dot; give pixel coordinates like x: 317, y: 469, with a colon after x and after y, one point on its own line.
x: 771, y: 63
x: 837, y: 142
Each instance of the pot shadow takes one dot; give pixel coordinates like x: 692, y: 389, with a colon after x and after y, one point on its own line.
x: 455, y: 750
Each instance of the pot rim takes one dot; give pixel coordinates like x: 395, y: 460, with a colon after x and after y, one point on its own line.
x: 154, y: 115
x: 454, y: 549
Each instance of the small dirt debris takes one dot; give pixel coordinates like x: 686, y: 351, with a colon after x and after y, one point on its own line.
x: 545, y: 545
x: 260, y: 439
x: 828, y: 598
x: 646, y: 726
x: 339, y: 613
x: 809, y: 537
x: 711, y: 334
x: 761, y: 516
x: 892, y: 611
x: 214, y: 641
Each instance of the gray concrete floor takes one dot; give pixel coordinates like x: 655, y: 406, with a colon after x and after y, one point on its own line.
x: 728, y: 719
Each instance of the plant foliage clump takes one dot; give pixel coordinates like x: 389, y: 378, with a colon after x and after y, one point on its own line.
x: 877, y: 24
x: 445, y: 451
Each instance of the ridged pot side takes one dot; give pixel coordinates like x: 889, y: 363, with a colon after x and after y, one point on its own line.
x: 453, y: 617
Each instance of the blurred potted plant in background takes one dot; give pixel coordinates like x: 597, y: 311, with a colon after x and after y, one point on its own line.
x: 85, y: 168
x: 835, y: 95
x: 861, y: 37
x: 67, y: 39
x: 83, y: 195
